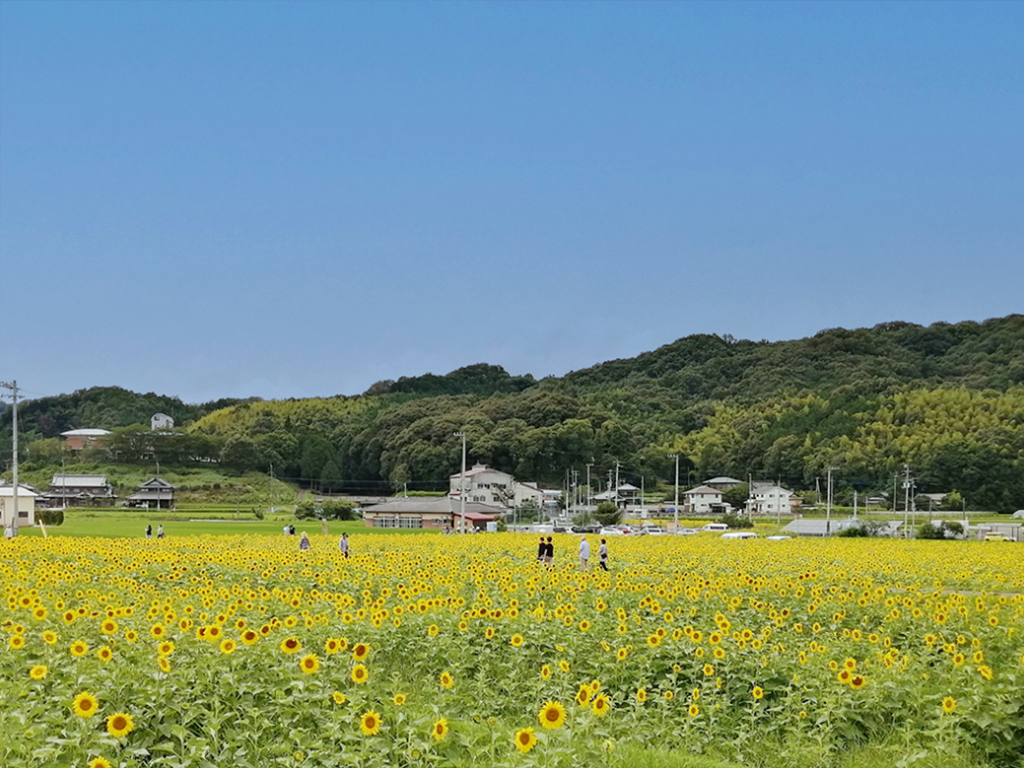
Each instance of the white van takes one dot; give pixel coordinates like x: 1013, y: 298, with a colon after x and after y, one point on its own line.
x: 739, y: 535
x: 715, y: 527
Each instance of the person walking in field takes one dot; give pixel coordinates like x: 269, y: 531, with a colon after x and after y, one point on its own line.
x: 149, y: 531
x: 160, y: 531
x: 304, y: 542
x: 343, y: 545
x: 542, y: 550
x: 584, y: 553
x: 602, y: 555
x: 549, y: 552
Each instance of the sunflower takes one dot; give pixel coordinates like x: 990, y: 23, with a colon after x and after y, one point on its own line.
x: 49, y: 637
x: 641, y: 695
x: 291, y: 645
x: 360, y: 651
x: 693, y: 710
x: 399, y: 699
x: 165, y: 648
x: 583, y: 696
x: 669, y: 695
x: 99, y: 762
x: 332, y: 646
x: 120, y: 725
x: 131, y: 635
x: 857, y: 682
x: 621, y: 654
x: 85, y: 704
x: 108, y: 627
x: 602, y: 705
x: 948, y: 705
x: 552, y: 715
x: 433, y: 630
x: 157, y: 631
x: 104, y: 654
x: 654, y: 640
x: 339, y: 698
x: 309, y: 663
x: 164, y: 664
x: 563, y: 665
x: 757, y: 692
x: 545, y: 672
x: 38, y: 672
x: 360, y: 674
x: 227, y: 646
x: 440, y: 729
x: 517, y: 641
x: 369, y: 723
x: 525, y: 740
x: 446, y: 680
x: 250, y: 637
x: 709, y: 671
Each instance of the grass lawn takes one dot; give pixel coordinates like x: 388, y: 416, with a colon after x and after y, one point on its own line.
x: 133, y: 524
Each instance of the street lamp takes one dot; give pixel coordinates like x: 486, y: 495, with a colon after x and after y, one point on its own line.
x: 462, y: 485
x: 675, y: 508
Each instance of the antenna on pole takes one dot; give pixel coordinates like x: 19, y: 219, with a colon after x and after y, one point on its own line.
x: 13, y: 386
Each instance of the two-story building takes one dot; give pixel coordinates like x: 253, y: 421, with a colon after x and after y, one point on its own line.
x: 769, y: 499
x: 155, y: 493
x: 703, y: 500
x: 78, y: 439
x: 78, y: 491
x: 484, y: 485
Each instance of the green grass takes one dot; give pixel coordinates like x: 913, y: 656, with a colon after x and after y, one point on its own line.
x: 133, y: 525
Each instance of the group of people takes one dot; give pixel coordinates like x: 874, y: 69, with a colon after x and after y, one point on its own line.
x: 305, y: 544
x: 546, y: 553
x: 159, y: 531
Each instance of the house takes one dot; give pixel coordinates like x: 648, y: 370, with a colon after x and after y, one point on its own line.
x: 528, y: 492
x: 78, y: 491
x: 722, y: 483
x: 77, y: 439
x: 624, y: 495
x: 161, y: 421
x: 769, y: 499
x: 484, y: 485
x: 430, y: 512
x: 155, y: 493
x: 26, y: 505
x: 703, y: 500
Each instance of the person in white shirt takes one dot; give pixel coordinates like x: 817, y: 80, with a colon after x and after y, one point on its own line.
x: 584, y: 553
x: 343, y: 545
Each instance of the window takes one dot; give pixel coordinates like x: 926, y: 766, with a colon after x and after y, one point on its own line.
x: 385, y: 522
x: 410, y: 522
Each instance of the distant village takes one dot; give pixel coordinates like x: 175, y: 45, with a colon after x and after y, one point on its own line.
x: 478, y: 499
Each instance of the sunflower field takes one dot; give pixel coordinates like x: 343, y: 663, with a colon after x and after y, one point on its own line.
x: 464, y: 651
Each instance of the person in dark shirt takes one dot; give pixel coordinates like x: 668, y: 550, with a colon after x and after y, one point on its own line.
x: 542, y: 550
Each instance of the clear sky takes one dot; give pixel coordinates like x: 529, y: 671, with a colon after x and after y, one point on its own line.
x: 293, y: 199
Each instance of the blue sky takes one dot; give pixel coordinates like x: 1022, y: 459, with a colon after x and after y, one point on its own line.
x: 293, y: 199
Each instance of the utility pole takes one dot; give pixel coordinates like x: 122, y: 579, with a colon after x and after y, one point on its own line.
x: 854, y: 505
x: 462, y: 485
x: 590, y: 491
x: 828, y: 504
x: 675, y: 509
x: 906, y: 501
x: 616, y: 482
x: 13, y: 386
x: 643, y: 505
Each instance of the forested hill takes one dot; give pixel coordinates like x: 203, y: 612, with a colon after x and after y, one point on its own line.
x: 103, y: 408
x: 974, y: 355
x: 947, y: 399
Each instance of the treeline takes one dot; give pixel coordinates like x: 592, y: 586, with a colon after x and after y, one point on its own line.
x: 946, y: 399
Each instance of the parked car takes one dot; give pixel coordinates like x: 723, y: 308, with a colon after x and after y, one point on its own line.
x: 687, y: 531
x: 779, y: 537
x: 610, y: 532
x: 715, y: 527
x: 739, y: 535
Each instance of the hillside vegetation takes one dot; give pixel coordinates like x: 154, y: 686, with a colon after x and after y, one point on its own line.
x: 948, y: 399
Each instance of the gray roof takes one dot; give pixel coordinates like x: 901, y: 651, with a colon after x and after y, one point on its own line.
x: 85, y: 433
x: 156, y: 484
x: 435, y: 505
x: 79, y: 481
x: 703, y: 489
x: 723, y: 479
x: 816, y: 527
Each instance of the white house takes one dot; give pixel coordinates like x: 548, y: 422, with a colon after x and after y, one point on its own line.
x: 703, y: 500
x: 484, y: 485
x: 26, y: 505
x: 161, y: 421
x: 769, y: 499
x: 525, y: 492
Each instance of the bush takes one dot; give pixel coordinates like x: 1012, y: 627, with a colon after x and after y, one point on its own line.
x: 737, y: 521
x: 864, y: 529
x: 50, y: 516
x: 941, y: 530
x: 607, y: 513
x: 329, y: 509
